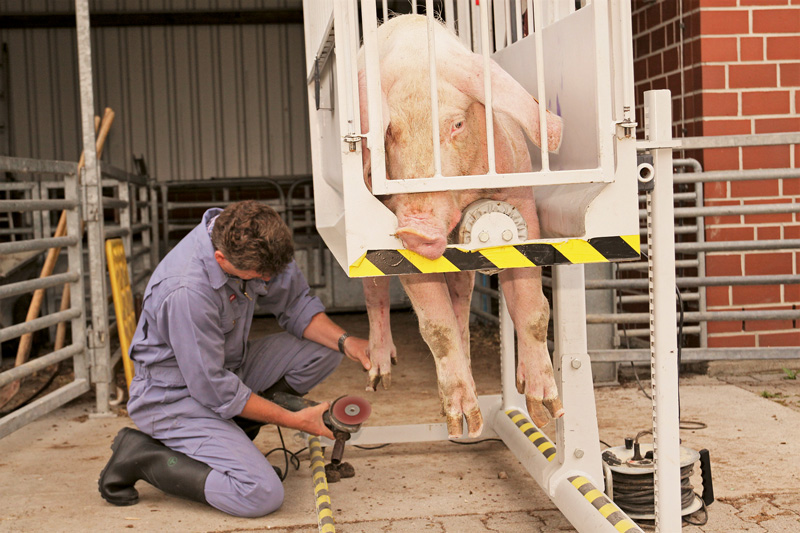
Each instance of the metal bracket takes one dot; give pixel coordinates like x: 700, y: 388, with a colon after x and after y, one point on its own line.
x: 645, y: 173
x: 352, y: 139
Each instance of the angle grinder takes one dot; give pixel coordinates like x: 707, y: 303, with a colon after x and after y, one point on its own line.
x: 344, y: 417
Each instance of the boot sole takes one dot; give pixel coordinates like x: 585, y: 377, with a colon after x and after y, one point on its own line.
x: 110, y: 499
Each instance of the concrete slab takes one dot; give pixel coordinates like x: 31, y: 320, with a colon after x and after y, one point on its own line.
x: 49, y: 469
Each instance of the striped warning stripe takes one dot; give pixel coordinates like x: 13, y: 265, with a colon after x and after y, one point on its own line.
x: 572, y: 251
x: 541, y: 442
x: 321, y: 496
x: 606, y: 507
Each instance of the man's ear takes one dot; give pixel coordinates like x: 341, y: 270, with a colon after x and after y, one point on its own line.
x: 219, y: 256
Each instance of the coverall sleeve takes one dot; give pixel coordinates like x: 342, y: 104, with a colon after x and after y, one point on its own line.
x: 190, y: 324
x: 289, y: 300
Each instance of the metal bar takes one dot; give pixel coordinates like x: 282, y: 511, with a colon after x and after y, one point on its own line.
x: 735, y: 141
x: 643, y: 298
x: 640, y: 265
x: 114, y: 203
x: 699, y: 354
x: 737, y: 175
x: 24, y: 287
x: 538, y: 38
x: 17, y: 330
x: 679, y: 230
x: 120, y: 175
x: 42, y: 406
x: 487, y: 86
x: 26, y: 165
x: 34, y: 245
x: 16, y: 186
x: 36, y: 205
x: 34, y: 365
x: 731, y: 246
x: 695, y: 281
x: 437, y: 154
x: 732, y: 210
x: 157, y: 18
x: 696, y: 316
x: 111, y: 232
x: 645, y: 332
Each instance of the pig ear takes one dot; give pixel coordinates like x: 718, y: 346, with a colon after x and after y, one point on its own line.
x: 508, y: 97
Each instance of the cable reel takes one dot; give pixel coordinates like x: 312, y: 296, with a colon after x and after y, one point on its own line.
x: 630, y: 471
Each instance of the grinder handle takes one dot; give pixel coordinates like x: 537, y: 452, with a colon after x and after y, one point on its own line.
x: 293, y: 403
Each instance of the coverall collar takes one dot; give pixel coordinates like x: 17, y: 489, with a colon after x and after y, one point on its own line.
x: 216, y: 275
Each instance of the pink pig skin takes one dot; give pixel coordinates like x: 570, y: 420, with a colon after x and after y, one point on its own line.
x: 425, y: 220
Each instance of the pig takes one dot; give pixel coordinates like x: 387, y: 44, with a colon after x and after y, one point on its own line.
x: 425, y: 220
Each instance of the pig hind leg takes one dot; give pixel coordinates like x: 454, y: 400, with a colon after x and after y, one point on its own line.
x: 382, y: 351
x: 430, y: 296
x: 530, y: 312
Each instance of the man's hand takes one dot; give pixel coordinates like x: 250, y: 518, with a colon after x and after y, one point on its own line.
x: 310, y: 420
x: 357, y: 349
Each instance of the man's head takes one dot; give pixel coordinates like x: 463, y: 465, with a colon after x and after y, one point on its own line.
x: 252, y: 238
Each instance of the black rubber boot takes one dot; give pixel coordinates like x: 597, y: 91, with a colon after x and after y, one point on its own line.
x: 138, y: 456
x: 251, y: 427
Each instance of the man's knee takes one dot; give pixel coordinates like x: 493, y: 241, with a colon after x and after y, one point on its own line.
x: 262, y: 501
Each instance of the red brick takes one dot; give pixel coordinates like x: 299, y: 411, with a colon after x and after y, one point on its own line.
x: 791, y: 232
x: 718, y: 297
x: 776, y: 21
x: 715, y: 233
x: 716, y: 189
x: 712, y: 77
x: 778, y: 125
x: 658, y: 39
x: 767, y: 325
x: 724, y: 265
x: 639, y: 70
x: 767, y: 263
x: 724, y: 327
x: 732, y: 341
x: 744, y: 76
x: 670, y: 59
x: 721, y: 158
x: 791, y: 186
x: 790, y: 338
x: 726, y: 127
x: 724, y: 22
x: 768, y: 233
x: 765, y: 156
x: 762, y: 2
x: 654, y: 66
x: 716, y: 3
x: 754, y: 188
x: 783, y: 47
x: 790, y: 75
x: 778, y: 218
x: 642, y: 45
x: 718, y: 49
x: 720, y: 104
x: 751, y: 48
x: 755, y: 294
x: 791, y: 293
x: 765, y: 102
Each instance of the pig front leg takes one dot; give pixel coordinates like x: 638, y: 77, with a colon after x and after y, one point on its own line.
x: 439, y: 326
x: 382, y: 352
x: 530, y: 312
x: 460, y: 286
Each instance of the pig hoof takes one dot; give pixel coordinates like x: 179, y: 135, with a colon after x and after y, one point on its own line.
x: 555, y: 407
x: 539, y: 414
x: 455, y: 427
x: 474, y: 423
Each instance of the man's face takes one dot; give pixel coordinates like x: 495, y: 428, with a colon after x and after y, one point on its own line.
x: 228, y: 267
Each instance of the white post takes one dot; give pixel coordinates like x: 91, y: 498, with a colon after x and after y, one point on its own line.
x: 663, y: 329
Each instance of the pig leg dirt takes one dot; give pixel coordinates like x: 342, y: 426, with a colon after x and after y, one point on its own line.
x: 430, y: 296
x: 460, y: 285
x: 530, y: 312
x: 382, y: 352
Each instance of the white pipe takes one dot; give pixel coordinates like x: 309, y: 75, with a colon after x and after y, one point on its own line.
x: 487, y: 88
x: 663, y: 335
x: 538, y: 39
x: 437, y: 156
x: 375, y: 138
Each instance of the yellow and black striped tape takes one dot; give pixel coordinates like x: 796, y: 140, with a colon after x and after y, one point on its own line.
x: 541, y: 442
x: 571, y: 251
x: 321, y: 496
x: 605, y: 506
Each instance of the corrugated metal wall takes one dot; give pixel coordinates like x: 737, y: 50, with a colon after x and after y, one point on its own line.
x: 197, y: 101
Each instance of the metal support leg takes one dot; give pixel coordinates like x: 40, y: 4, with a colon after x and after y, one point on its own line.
x: 663, y: 330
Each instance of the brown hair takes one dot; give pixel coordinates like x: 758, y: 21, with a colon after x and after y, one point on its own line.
x: 252, y: 236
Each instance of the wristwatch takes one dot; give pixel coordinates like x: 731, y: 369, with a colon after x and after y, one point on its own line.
x: 341, y: 341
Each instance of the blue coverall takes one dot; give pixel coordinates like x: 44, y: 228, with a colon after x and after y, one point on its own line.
x: 195, y: 368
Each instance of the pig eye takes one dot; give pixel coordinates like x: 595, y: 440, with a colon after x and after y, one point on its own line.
x: 458, y: 126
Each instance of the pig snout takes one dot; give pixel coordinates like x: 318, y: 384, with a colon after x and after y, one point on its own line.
x: 427, y: 245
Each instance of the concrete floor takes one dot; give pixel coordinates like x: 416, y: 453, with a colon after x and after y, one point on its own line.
x: 49, y: 469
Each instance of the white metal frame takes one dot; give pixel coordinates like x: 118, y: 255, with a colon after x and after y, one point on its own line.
x: 344, y: 204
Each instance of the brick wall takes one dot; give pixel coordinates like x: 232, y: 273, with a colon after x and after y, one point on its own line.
x: 733, y: 67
